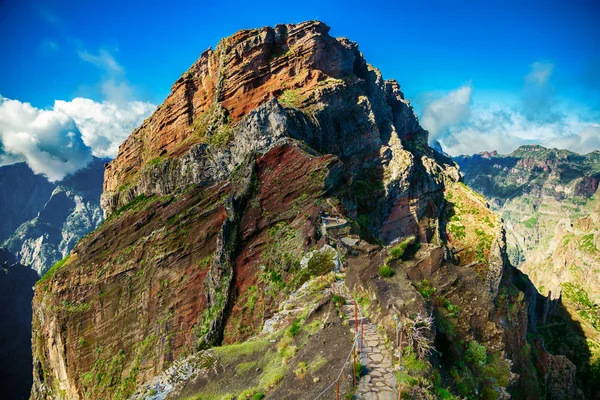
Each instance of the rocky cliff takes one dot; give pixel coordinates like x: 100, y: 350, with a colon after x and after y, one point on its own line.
x: 280, y: 158
x: 55, y: 216
x: 549, y: 201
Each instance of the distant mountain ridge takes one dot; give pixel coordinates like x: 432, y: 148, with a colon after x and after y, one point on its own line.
x: 549, y: 200
x: 45, y: 220
x: 22, y: 195
x: 533, y: 188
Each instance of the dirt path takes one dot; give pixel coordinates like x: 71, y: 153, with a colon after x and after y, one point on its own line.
x: 378, y: 381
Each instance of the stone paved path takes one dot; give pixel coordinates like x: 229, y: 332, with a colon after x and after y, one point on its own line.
x: 379, y: 380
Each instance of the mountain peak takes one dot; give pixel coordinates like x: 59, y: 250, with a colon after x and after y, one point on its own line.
x: 294, y: 71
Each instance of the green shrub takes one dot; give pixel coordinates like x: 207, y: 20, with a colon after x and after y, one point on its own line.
x: 444, y: 394
x: 498, y: 369
x: 359, y: 370
x: 258, y: 396
x: 301, y: 370
x: 364, y: 220
x: 425, y: 289
x: 405, y: 249
x: 465, y: 382
x: 320, y: 263
x: 385, y: 271
x: 452, y: 310
x: 475, y: 353
x: 339, y: 300
x: 294, y: 328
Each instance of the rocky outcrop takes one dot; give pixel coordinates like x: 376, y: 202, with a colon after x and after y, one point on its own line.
x: 346, y: 108
x: 71, y: 210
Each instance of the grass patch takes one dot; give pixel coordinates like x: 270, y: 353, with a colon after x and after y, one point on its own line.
x: 294, y: 328
x: 316, y: 363
x: 385, y: 271
x: 137, y: 204
x: 587, y: 244
x: 230, y: 353
x: 301, y: 370
x: 221, y: 137
x: 405, y: 249
x: 530, y: 223
x: 290, y: 98
x: 245, y: 367
x: 50, y: 273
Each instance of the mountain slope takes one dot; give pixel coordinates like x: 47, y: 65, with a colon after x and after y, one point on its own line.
x: 217, y: 252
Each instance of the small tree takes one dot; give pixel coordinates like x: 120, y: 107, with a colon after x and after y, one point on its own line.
x: 417, y: 330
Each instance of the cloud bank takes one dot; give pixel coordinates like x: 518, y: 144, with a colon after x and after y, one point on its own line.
x: 60, y: 140
x: 463, y: 127
x: 104, y: 126
x: 448, y: 111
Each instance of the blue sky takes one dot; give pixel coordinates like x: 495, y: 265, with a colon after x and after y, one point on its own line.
x: 462, y: 63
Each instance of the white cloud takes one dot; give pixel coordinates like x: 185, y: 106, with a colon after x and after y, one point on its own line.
x: 48, y: 141
x: 539, y: 117
x: 113, y: 86
x: 104, y: 126
x: 103, y: 60
x: 586, y: 141
x: 539, y: 73
x: 447, y: 111
x: 48, y: 46
x: 59, y: 141
x: 504, y: 128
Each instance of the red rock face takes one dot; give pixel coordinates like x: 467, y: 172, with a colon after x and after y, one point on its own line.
x: 243, y: 72
x: 587, y: 187
x: 134, y: 288
x: 290, y: 181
